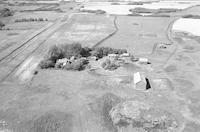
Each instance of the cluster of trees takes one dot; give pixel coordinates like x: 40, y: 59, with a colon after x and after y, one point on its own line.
x: 153, y: 11
x: 100, y: 52
x: 191, y: 16
x: 66, y: 51
x: 6, y: 12
x: 30, y: 19
x: 77, y: 51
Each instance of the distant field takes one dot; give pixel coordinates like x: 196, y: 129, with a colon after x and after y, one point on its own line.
x: 87, y: 29
x: 123, y: 8
x: 139, y: 34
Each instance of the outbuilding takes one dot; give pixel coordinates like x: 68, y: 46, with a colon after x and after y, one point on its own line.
x: 141, y: 82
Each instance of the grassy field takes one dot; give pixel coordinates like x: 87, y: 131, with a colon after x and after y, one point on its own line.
x: 87, y: 29
x: 137, y: 35
x: 56, y: 100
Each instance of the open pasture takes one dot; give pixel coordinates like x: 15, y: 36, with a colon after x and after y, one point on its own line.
x: 137, y: 35
x: 87, y: 29
x: 20, y: 30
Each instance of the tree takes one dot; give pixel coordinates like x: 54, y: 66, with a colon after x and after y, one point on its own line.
x: 70, y: 50
x: 85, y: 52
x: 47, y: 63
x: 1, y: 25
x: 55, y: 53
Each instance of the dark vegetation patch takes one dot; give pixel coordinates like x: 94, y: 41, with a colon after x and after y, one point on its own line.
x: 77, y: 65
x: 1, y: 25
x: 31, y: 20
x: 53, y: 122
x: 191, y: 16
x: 135, y: 24
x: 75, y: 56
x: 152, y: 11
x: 6, y: 12
x: 171, y: 68
x: 115, y: 3
x: 94, y: 11
x: 109, y: 65
x: 136, y: 3
x: 12, y: 34
x: 104, y: 51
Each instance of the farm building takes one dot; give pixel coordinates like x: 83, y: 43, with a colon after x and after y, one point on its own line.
x: 140, y: 81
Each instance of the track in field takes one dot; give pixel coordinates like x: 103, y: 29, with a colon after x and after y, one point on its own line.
x: 25, y: 50
x: 24, y: 45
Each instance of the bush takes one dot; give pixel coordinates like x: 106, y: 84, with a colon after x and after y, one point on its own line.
x: 105, y: 63
x: 47, y: 63
x: 6, y: 12
x: 1, y: 25
x: 85, y: 52
x: 108, y: 65
x: 40, y: 19
x: 77, y: 65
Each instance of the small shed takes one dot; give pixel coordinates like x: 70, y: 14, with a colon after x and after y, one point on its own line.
x: 140, y: 81
x: 144, y: 60
x: 113, y: 55
x: 125, y: 55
